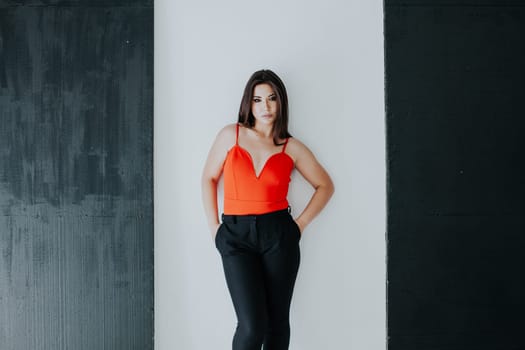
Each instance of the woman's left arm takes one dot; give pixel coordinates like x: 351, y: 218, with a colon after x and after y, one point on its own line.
x: 316, y: 175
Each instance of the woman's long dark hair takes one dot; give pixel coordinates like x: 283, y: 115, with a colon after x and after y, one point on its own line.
x: 246, y: 118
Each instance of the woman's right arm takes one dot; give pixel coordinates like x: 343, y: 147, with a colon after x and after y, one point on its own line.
x: 212, y: 172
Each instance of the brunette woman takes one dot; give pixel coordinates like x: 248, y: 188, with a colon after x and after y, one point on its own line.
x: 258, y: 239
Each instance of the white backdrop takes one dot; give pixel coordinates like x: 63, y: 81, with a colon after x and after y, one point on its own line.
x: 330, y: 56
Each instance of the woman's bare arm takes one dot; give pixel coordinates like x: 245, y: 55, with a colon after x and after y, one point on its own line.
x: 212, y: 172
x: 316, y: 175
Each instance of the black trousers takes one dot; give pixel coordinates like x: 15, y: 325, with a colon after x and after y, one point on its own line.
x: 260, y: 257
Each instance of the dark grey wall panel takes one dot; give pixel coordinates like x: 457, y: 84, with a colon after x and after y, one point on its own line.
x: 76, y: 184
x: 454, y: 3
x: 77, y: 3
x: 455, y: 83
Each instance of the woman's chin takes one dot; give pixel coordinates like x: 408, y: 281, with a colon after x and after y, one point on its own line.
x: 265, y: 120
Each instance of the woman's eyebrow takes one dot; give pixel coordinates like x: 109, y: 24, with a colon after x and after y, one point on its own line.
x: 261, y: 97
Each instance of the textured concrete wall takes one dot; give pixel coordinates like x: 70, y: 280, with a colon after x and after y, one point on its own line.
x: 455, y: 85
x: 76, y: 208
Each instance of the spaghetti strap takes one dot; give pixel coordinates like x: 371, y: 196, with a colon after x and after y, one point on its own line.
x: 237, y: 135
x: 285, y: 143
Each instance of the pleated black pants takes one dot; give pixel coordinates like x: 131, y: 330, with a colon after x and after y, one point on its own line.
x: 260, y: 256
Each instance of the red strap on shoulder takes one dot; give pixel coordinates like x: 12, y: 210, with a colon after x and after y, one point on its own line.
x: 237, y: 135
x: 285, y: 143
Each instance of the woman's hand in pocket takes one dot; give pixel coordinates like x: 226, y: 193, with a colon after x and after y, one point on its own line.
x: 214, y: 230
x: 300, y: 225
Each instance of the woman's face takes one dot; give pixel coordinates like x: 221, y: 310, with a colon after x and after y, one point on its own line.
x: 264, y: 104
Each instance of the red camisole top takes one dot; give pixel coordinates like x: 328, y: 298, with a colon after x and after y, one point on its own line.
x: 247, y: 193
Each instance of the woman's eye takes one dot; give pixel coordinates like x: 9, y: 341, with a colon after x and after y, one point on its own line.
x: 256, y: 100
x: 273, y: 98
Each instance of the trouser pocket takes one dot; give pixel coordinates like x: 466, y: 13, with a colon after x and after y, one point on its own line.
x: 217, y: 234
x: 296, y: 228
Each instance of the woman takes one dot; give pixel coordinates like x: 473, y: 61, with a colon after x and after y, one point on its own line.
x: 258, y: 238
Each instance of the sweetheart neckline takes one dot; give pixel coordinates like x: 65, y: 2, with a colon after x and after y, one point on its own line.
x: 266, y: 162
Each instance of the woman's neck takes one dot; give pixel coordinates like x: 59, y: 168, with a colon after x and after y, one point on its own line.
x: 264, y: 131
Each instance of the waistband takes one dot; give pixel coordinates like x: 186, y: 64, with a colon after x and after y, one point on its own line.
x: 235, y: 218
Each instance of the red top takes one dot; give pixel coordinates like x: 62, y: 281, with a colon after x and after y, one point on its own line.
x: 245, y: 192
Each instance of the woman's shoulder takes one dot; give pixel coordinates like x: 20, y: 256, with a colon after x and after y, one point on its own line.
x: 296, y: 148
x: 295, y: 144
x: 228, y: 130
x: 226, y: 136
x: 230, y: 127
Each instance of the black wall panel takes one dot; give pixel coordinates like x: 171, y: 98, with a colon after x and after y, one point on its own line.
x: 76, y: 184
x: 455, y: 87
